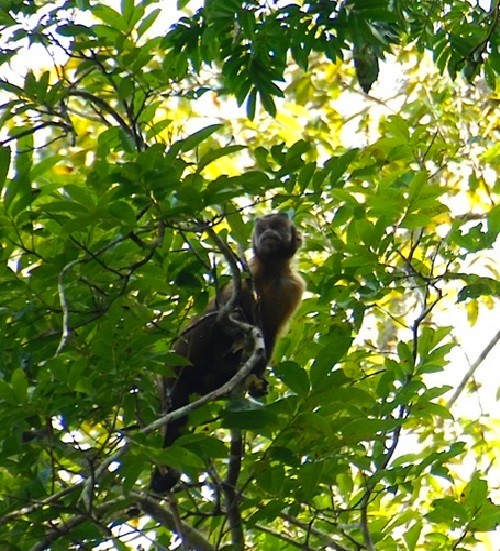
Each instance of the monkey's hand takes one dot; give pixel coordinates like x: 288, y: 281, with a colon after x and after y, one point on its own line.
x: 256, y: 385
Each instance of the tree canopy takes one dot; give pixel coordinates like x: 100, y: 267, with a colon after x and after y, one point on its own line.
x: 137, y: 143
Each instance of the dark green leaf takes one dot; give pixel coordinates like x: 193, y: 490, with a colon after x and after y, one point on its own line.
x: 124, y: 212
x: 247, y: 418
x: 294, y: 376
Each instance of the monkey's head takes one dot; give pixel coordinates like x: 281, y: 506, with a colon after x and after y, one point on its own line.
x: 275, y: 236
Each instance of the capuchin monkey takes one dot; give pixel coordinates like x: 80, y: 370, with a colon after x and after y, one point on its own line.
x: 215, y: 349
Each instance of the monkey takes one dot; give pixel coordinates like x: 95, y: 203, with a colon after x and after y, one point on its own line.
x: 215, y: 351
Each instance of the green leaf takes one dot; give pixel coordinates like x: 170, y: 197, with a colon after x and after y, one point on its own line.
x: 268, y: 102
x: 76, y: 369
x: 486, y: 522
x: 306, y: 175
x: 19, y: 384
x: 7, y: 394
x: 294, y: 376
x: 82, y: 195
x: 313, y: 422
x: 206, y: 446
x: 449, y: 512
x: 268, y: 512
x: 30, y: 84
x: 476, y: 493
x: 125, y: 89
x: 215, y: 154
x: 369, y: 429
x: 127, y: 9
x: 484, y: 286
x: 109, y: 16
x: 494, y: 221
x: 415, y: 221
x: 4, y: 165
x: 194, y: 140
x: 147, y: 22
x: 343, y: 395
x: 247, y: 418
x: 18, y: 194
x: 68, y: 208
x: 423, y: 409
x: 324, y: 363
x: 252, y: 104
x: 412, y: 535
x: 338, y: 165
x: 173, y: 359
x: 405, y: 354
x: 73, y: 30
x: 45, y: 165
x: 124, y: 212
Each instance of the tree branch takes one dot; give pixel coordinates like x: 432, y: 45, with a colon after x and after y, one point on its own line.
x: 326, y: 539
x: 231, y: 259
x: 67, y: 525
x: 230, y: 493
x: 24, y: 511
x: 164, y: 517
x: 473, y: 368
x: 258, y: 353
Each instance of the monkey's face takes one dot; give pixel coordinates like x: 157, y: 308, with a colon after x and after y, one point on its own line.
x: 275, y: 236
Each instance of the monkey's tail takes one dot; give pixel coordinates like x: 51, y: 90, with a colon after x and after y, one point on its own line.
x: 165, y: 478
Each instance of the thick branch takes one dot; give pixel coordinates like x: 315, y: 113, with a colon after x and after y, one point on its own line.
x: 166, y: 518
x: 231, y: 494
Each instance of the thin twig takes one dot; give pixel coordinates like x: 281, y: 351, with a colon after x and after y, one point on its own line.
x: 326, y: 539
x: 64, y: 304
x: 473, y: 368
x: 179, y: 526
x: 232, y: 260
x: 26, y: 511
